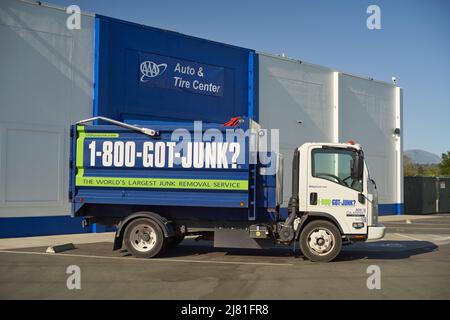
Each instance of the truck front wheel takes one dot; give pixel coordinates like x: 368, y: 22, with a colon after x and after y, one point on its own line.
x: 321, y: 241
x: 143, y: 238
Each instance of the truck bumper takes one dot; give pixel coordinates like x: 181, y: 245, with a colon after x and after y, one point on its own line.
x: 376, y: 232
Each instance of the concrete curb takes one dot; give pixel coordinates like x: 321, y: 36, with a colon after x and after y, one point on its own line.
x: 406, y: 217
x: 60, y: 248
x: 44, y: 241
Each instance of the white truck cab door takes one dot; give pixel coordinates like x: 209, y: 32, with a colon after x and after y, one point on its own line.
x: 332, y: 190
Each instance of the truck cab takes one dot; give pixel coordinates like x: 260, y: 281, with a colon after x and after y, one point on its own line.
x: 332, y: 186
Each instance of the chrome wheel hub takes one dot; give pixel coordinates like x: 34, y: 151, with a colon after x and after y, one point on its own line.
x: 143, y: 238
x: 321, y: 241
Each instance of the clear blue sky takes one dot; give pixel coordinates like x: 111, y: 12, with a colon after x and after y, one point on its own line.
x: 413, y: 44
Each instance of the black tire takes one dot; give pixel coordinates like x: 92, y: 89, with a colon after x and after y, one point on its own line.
x: 143, y: 238
x: 174, y: 241
x: 328, y: 248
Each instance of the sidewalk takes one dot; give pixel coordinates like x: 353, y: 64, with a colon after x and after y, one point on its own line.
x: 44, y: 241
x: 405, y: 217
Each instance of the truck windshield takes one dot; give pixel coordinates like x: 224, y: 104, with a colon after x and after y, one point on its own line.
x: 335, y: 165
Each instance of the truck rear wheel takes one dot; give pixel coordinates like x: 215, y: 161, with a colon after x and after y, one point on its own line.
x: 321, y: 241
x: 144, y: 238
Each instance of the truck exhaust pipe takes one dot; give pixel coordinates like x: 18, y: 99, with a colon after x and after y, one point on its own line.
x: 286, y: 230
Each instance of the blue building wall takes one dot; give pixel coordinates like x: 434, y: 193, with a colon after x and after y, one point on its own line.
x: 126, y: 90
x: 49, y: 225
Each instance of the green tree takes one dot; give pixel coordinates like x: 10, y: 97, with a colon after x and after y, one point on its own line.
x: 409, y: 168
x: 431, y: 170
x: 444, y: 166
x: 420, y: 171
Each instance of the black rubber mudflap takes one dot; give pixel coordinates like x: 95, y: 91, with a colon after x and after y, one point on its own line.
x: 239, y: 238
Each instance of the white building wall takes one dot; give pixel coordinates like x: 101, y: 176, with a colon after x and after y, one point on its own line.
x: 297, y: 99
x: 333, y: 107
x: 368, y: 115
x: 46, y: 84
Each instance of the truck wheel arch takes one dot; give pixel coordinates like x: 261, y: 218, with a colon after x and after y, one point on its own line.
x: 166, y: 226
x: 316, y: 215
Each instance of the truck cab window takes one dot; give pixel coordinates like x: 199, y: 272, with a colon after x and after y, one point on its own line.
x: 335, y: 165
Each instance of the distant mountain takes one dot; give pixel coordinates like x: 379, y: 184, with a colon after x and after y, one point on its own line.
x: 422, y: 157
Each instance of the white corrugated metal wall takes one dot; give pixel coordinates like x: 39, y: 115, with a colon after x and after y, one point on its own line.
x: 311, y: 103
x: 296, y: 98
x: 368, y: 113
x: 46, y: 84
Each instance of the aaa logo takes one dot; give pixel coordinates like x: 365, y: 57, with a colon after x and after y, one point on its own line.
x: 149, y: 69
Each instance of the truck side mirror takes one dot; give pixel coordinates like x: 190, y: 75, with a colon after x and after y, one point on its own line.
x: 361, y: 198
x: 358, y: 166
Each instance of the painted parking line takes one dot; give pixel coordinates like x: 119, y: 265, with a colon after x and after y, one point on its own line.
x: 416, y: 228
x: 435, y: 238
x: 440, y: 237
x: 148, y: 260
x: 418, y: 223
x: 408, y: 237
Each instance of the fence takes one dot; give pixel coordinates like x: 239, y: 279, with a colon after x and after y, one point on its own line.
x: 425, y: 195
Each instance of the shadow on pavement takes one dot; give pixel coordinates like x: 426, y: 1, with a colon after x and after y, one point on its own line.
x: 377, y: 250
x: 386, y: 250
x: 206, y: 248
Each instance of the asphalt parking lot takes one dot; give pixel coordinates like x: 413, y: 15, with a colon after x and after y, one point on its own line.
x: 414, y: 260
